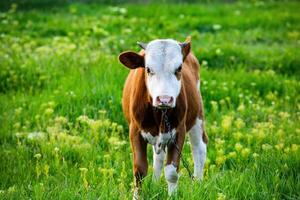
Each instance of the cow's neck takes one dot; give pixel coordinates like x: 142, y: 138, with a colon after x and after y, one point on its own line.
x: 155, y: 122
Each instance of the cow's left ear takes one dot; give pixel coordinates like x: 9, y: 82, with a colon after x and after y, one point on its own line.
x: 132, y: 60
x: 185, y: 47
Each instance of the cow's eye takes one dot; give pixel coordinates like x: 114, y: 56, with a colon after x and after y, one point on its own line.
x: 149, y: 71
x: 178, y: 70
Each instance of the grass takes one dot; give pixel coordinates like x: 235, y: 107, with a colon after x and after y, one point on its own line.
x: 62, y: 131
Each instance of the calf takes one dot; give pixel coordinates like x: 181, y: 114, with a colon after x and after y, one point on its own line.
x: 162, y: 102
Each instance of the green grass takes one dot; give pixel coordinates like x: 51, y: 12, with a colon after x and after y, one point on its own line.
x: 62, y: 131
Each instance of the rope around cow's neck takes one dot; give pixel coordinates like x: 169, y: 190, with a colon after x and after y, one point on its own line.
x: 165, y: 119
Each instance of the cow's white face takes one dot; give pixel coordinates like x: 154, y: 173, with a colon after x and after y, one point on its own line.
x: 163, y: 60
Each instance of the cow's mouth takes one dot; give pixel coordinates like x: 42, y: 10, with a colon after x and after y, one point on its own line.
x: 164, y: 107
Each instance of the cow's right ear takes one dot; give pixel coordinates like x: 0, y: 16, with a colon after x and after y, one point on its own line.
x: 132, y: 60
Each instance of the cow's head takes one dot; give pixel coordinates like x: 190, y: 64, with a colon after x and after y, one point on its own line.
x: 163, y: 63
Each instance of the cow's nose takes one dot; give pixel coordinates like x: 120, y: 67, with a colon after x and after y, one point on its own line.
x: 164, y: 100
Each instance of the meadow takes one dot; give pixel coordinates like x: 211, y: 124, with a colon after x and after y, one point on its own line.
x: 62, y: 131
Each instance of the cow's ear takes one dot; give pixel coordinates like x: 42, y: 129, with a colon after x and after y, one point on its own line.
x: 186, y: 47
x: 132, y: 60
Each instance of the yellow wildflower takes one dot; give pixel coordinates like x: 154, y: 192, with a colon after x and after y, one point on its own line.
x: 95, y: 125
x: 280, y: 134
x: 18, y: 111
x: 61, y: 120
x: 284, y: 115
x: 287, y: 150
x: 245, y: 152
x: 51, y: 104
x: 259, y: 134
x: 11, y: 189
x: 238, y: 147
x: 239, y: 123
x: 241, y: 108
x: 266, y: 147
x: 294, y: 147
x: 237, y: 135
x: 102, y: 112
x: 46, y: 170
x: 214, y: 128
x: 226, y: 123
x: 219, y: 142
x: 17, y: 125
x: 38, y: 156
x: 255, y: 155
x: 83, y: 169
x: 221, y: 196
x: 214, y: 106
x: 220, y: 160
x: 220, y: 152
x: 106, y: 171
x: 232, y: 154
x: 279, y: 146
x: 56, y: 149
x: 222, y: 102
x: 49, y: 111
x: 116, y: 142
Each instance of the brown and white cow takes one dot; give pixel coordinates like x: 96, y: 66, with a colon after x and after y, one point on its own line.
x: 164, y: 79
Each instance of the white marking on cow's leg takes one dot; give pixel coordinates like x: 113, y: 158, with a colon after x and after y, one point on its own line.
x: 198, y: 85
x: 171, y: 176
x: 198, y: 148
x: 158, y: 162
x: 136, y: 193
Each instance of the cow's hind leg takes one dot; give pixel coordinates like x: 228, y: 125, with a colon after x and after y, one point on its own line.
x: 198, y: 146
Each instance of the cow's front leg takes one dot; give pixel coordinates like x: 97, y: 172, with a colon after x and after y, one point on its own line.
x: 158, y: 162
x: 173, y: 160
x: 140, y: 164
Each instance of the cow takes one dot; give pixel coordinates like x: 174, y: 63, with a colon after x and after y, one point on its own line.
x: 162, y: 102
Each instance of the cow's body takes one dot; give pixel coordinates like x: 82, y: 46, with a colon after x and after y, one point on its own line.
x: 147, y: 125
x: 137, y: 106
